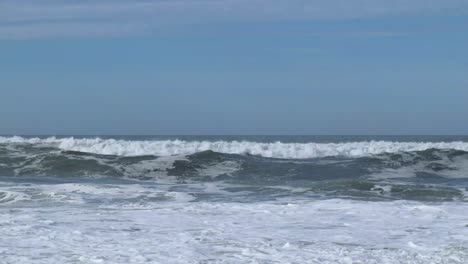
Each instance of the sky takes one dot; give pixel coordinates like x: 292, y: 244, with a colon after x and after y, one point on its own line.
x: 274, y: 67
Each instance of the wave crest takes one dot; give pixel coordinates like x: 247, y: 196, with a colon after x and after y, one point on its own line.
x: 269, y: 150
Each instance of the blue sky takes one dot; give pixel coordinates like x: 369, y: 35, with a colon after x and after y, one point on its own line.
x: 234, y: 67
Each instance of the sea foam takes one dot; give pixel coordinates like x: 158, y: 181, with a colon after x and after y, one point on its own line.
x: 269, y: 150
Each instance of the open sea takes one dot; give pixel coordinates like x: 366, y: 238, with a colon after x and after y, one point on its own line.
x: 234, y: 199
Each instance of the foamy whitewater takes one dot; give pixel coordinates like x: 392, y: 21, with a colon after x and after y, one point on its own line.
x: 271, y: 150
x: 207, y: 199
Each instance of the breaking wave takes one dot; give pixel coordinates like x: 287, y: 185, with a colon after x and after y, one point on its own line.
x: 269, y: 150
x: 361, y: 170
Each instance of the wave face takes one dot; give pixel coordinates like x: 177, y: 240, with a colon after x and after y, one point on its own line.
x: 271, y: 150
x: 363, y: 170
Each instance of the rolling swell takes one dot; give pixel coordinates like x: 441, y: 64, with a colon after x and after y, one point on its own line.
x: 435, y: 174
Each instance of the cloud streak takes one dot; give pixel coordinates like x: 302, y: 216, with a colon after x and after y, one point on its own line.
x: 21, y: 19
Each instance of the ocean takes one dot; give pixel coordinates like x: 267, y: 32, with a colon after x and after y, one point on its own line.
x: 234, y: 199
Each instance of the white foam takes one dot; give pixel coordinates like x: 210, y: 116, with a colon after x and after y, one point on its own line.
x: 223, y: 168
x: 272, y: 150
x: 331, y: 231
x: 156, y: 169
x: 7, y: 197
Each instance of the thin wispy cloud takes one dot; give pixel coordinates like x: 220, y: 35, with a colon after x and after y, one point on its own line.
x: 60, y: 18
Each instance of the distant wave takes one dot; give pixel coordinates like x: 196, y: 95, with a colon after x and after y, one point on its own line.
x: 269, y: 150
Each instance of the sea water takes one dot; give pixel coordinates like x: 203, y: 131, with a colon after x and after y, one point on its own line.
x: 234, y: 199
